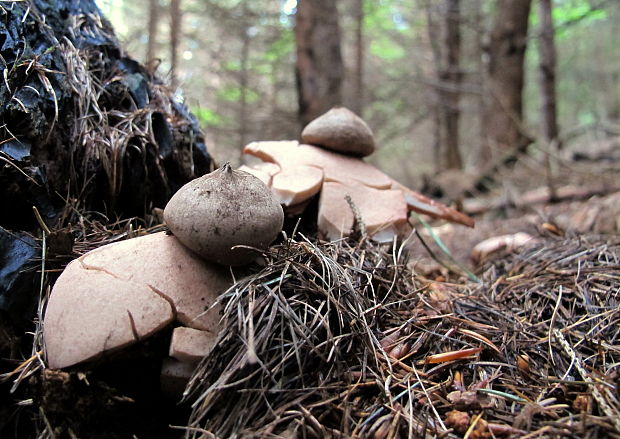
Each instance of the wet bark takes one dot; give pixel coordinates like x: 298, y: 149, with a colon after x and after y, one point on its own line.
x: 445, y: 41
x: 318, y: 68
x: 432, y: 27
x: 358, y: 80
x: 481, y: 67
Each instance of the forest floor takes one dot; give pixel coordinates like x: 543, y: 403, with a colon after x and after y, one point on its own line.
x: 588, y: 200
x: 528, y: 347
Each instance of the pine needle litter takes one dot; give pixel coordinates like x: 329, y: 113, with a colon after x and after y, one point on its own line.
x: 341, y: 339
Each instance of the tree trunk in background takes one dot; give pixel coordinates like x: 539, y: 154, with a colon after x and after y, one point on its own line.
x: 504, y: 106
x: 446, y: 61
x: 358, y: 99
x: 450, y: 83
x: 547, y: 73
x: 243, y: 78
x: 152, y: 31
x: 318, y: 68
x: 432, y: 28
x: 481, y: 68
x: 175, y: 34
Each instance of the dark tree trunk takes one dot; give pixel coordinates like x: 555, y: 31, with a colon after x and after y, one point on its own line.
x: 504, y: 103
x: 481, y: 68
x: 450, y: 85
x: 547, y: 73
x: 175, y: 35
x: 318, y: 68
x: 432, y: 27
x: 153, y: 24
x: 358, y: 99
x: 445, y: 41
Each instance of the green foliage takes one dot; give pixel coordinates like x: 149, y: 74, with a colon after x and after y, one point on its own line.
x: 586, y: 118
x: 386, y: 25
x: 280, y: 51
x: 385, y: 48
x: 385, y: 15
x: 207, y: 116
x: 232, y: 65
x: 567, y: 13
x: 281, y: 48
x: 233, y: 94
x: 262, y: 68
x: 570, y: 11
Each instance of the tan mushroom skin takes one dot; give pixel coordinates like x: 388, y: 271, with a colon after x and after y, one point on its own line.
x: 217, y: 212
x: 118, y: 294
x: 342, y: 131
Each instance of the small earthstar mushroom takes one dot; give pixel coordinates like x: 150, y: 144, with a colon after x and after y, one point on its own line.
x: 342, y: 131
x: 223, y: 215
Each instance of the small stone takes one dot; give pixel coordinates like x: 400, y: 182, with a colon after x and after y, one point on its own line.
x: 342, y: 131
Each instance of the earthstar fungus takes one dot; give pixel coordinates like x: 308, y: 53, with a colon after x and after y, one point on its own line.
x: 340, y: 130
x: 213, y: 214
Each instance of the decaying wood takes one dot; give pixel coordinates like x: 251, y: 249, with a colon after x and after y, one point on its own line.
x: 82, y: 119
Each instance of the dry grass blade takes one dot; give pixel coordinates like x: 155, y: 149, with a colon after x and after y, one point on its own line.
x: 101, y: 135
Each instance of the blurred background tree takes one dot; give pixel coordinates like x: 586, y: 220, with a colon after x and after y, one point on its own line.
x: 318, y: 66
x: 444, y: 84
